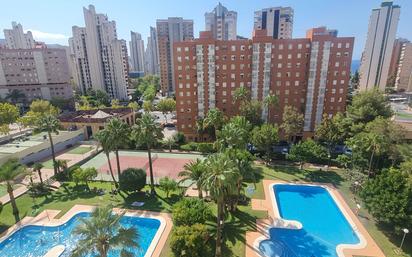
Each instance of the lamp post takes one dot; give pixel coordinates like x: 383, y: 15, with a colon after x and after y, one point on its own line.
x: 405, y: 231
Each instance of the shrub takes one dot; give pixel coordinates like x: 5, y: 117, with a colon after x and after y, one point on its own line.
x: 205, y: 147
x: 168, y: 185
x: 132, y: 179
x: 179, y: 138
x: 191, y: 146
x: 84, y: 175
x: 190, y: 241
x: 189, y: 211
x: 38, y: 189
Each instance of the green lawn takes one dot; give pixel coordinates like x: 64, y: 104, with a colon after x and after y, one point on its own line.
x: 404, y: 115
x: 3, y: 189
x: 80, y: 150
x: 236, y: 224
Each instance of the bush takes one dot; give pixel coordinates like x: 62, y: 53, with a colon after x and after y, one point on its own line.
x: 180, y: 138
x: 132, y: 179
x: 168, y: 185
x: 189, y: 211
x: 190, y: 241
x: 308, y: 151
x: 191, y: 146
x: 205, y: 148
x: 38, y: 189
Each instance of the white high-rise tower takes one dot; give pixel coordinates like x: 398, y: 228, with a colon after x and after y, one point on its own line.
x: 17, y: 39
x: 222, y: 23
x: 376, y: 58
x: 137, y: 53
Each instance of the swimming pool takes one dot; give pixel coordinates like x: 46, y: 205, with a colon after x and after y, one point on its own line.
x: 324, y: 227
x: 36, y: 241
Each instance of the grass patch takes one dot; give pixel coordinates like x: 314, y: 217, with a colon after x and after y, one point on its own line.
x: 80, y: 150
x: 3, y: 189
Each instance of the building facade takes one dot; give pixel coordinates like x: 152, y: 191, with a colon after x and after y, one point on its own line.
x: 376, y: 58
x: 152, y: 55
x: 311, y: 74
x: 137, y: 53
x: 38, y: 73
x: 17, y: 39
x: 403, y: 78
x: 222, y: 23
x: 107, y: 59
x: 169, y: 32
x: 277, y: 21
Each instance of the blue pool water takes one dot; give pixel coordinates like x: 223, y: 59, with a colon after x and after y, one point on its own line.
x: 324, y: 226
x: 36, y: 241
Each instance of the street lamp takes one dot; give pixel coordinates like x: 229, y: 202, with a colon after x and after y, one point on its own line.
x: 405, y: 231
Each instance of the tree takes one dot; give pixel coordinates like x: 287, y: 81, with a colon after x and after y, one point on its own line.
x: 38, y: 110
x: 101, y: 98
x: 9, y: 114
x: 16, y: 96
x: 271, y: 101
x: 134, y: 106
x: 220, y: 181
x: 166, y: 105
x: 241, y: 95
x: 264, y: 137
x: 103, y: 232
x: 146, y: 132
x: 292, y: 122
x: 169, y: 143
x: 84, y: 175
x: 194, y: 172
x: 63, y: 103
x: 168, y: 185
x: 190, y: 241
x: 368, y: 105
x: 190, y: 211
x: 307, y: 151
x: 115, y: 104
x: 119, y: 133
x: 234, y: 134
x: 388, y: 197
x: 37, y: 168
x: 61, y: 165
x: 132, y: 179
x: 147, y: 106
x: 214, y: 118
x: 50, y: 124
x: 10, y: 171
x: 252, y: 111
x: 106, y: 141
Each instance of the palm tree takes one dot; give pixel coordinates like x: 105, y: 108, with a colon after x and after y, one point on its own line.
x: 214, y: 118
x: 37, y: 168
x: 106, y: 141
x: 146, y: 132
x: 61, y: 165
x: 103, y: 232
x: 9, y: 173
x: 119, y: 133
x: 220, y: 180
x: 15, y: 95
x: 194, y: 172
x: 50, y: 124
x: 235, y: 134
x: 271, y: 101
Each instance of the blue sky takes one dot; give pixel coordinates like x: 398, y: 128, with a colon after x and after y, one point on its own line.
x: 51, y: 20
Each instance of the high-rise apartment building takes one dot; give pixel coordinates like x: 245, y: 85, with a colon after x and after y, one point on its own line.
x: 222, y: 23
x: 101, y: 58
x: 38, y: 73
x: 152, y: 54
x: 376, y: 58
x: 17, y: 39
x: 137, y: 53
x: 277, y: 21
x: 170, y: 31
x: 311, y: 74
x: 401, y: 74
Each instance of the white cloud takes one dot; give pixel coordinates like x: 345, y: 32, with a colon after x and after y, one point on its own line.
x: 44, y: 36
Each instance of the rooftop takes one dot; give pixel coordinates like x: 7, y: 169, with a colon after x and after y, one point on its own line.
x: 94, y: 116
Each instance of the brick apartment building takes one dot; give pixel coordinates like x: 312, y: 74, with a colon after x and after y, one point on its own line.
x: 311, y: 74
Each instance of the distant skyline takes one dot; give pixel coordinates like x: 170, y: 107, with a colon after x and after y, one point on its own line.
x: 51, y: 21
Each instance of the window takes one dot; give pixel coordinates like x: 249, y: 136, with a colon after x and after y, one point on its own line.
x: 334, y: 82
x: 187, y: 93
x: 179, y: 59
x: 242, y: 47
x: 224, y: 66
x: 299, y: 46
x: 279, y: 65
x: 281, y: 47
x: 332, y: 99
x: 279, y: 75
x: 289, y: 65
x: 299, y: 55
x: 233, y: 48
x: 287, y: 92
x: 186, y: 49
x: 232, y: 66
x: 179, y: 49
x: 224, y: 92
x: 179, y: 67
x: 339, y: 45
x: 180, y: 85
x: 296, y: 83
x: 224, y: 84
x: 232, y: 76
x: 233, y: 57
x: 290, y: 46
x: 289, y: 56
x: 232, y: 84
x: 347, y: 45
x: 187, y: 85
x: 333, y: 91
x: 338, y: 54
x: 287, y: 83
x: 297, y: 74
x: 342, y: 82
x: 280, y: 57
x: 278, y: 83
x: 337, y: 64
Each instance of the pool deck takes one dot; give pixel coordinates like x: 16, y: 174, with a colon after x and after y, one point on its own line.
x: 367, y: 246
x: 48, y: 218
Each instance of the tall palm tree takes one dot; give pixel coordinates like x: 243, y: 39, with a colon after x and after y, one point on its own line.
x: 270, y: 101
x: 15, y: 95
x: 220, y: 181
x: 214, y: 118
x: 103, y: 232
x: 50, y: 124
x: 61, y: 165
x: 37, y: 168
x: 106, y: 141
x: 9, y: 173
x: 146, y: 132
x: 194, y: 171
x: 119, y: 133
